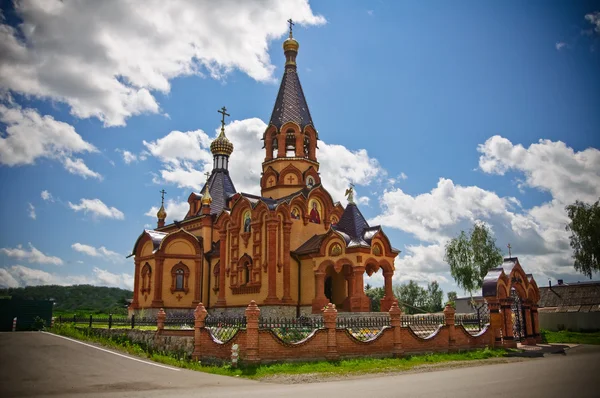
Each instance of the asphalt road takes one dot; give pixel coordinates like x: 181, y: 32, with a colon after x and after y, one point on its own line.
x: 40, y: 365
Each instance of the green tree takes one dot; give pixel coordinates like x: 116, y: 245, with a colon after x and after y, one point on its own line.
x: 412, y: 296
x: 585, y: 236
x: 374, y: 294
x: 435, y: 296
x: 471, y: 256
x: 452, y: 296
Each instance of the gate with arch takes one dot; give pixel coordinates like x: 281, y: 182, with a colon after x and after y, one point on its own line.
x: 512, y: 297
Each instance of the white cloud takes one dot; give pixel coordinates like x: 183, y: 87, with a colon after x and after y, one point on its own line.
x: 128, y: 157
x: 32, y: 255
x: 560, y: 45
x: 97, y: 208
x: 175, y: 211
x: 78, y: 167
x: 594, y: 19
x: 186, y: 157
x: 97, y: 252
x: 548, y: 165
x: 47, y: 196
x: 19, y: 276
x: 31, y: 209
x: 105, y: 59
x: 537, y: 235
x: 370, y: 12
x: 30, y: 136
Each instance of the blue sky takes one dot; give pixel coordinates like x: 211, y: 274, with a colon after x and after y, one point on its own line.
x: 442, y: 114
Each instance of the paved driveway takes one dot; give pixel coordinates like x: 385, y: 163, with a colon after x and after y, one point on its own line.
x: 40, y: 364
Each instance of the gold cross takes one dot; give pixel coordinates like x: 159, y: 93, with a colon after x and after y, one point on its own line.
x: 223, y: 112
x: 207, y: 174
x: 291, y: 23
x: 509, y: 247
x: 163, y: 192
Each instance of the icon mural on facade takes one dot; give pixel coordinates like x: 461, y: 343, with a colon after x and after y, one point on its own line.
x: 314, y: 216
x: 295, y: 213
x: 247, y: 221
x: 310, y: 182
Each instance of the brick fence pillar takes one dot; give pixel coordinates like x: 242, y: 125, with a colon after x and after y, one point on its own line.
x: 529, y: 338
x: 395, y: 316
x: 495, y: 322
x: 160, y: 320
x: 508, y: 339
x: 330, y: 318
x: 200, y: 314
x: 449, y: 312
x: 252, y: 315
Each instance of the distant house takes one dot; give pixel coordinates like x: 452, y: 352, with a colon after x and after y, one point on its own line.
x: 464, y: 305
x: 570, y: 306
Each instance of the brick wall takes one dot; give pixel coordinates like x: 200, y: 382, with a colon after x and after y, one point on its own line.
x: 263, y: 346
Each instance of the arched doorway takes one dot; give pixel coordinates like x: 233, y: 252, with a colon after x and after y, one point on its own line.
x: 337, y: 286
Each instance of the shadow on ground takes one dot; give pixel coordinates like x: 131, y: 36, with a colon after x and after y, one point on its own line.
x: 539, y: 350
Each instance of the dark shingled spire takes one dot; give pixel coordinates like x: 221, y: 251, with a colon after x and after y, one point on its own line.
x: 290, y: 105
x: 220, y: 188
x: 352, y: 222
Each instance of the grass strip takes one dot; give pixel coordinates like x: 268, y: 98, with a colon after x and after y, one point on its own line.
x: 345, y: 367
x: 564, y: 336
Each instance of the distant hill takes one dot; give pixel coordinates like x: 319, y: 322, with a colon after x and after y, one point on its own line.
x: 76, y: 298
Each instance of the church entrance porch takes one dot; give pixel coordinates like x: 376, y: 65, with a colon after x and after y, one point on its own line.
x: 340, y: 284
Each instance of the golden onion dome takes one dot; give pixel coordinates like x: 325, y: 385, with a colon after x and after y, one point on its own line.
x: 290, y: 44
x: 221, y: 145
x: 162, y: 214
x: 206, y: 198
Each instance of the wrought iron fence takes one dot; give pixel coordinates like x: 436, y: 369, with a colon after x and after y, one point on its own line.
x: 363, y: 328
x: 423, y: 325
x: 291, y: 330
x: 224, y: 328
x: 473, y: 323
x: 183, y: 321
x: 109, y: 322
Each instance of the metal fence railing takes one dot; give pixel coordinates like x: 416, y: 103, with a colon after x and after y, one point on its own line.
x: 291, y: 330
x: 423, y: 325
x: 224, y: 328
x: 109, y: 322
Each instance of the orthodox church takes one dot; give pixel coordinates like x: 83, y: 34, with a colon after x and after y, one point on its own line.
x: 292, y: 249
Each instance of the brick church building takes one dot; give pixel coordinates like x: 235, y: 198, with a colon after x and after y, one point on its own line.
x: 292, y: 249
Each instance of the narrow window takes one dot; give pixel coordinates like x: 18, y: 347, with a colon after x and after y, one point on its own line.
x: 179, y: 279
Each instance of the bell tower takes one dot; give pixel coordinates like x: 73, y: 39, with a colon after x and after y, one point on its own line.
x: 290, y: 140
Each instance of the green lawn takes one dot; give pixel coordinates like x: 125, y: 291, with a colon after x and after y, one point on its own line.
x: 351, y: 366
x: 570, y: 337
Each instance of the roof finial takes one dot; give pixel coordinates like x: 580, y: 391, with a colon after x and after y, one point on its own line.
x: 221, y: 145
x: 509, y: 252
x: 206, y: 198
x: 350, y: 193
x: 291, y: 23
x: 162, y: 197
x: 162, y: 214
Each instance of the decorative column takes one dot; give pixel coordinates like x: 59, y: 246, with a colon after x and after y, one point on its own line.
x: 200, y: 314
x: 320, y: 300
x: 299, y: 146
x: 272, y: 262
x: 507, y: 323
x: 536, y: 324
x: 222, y: 262
x: 495, y: 322
x: 158, y: 283
x: 136, y: 285
x: 197, y: 280
x: 449, y: 312
x: 287, y: 229
x: 281, y: 144
x: 160, y: 320
x: 330, y: 320
x: 348, y: 302
x: 395, y: 320
x: 388, y: 299
x: 360, y: 301
x: 252, y: 315
x: 529, y: 339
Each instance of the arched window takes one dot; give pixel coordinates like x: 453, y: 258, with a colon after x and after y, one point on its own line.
x: 274, y: 147
x: 247, y: 273
x: 146, y: 278
x: 180, y: 275
x: 290, y: 144
x: 216, y: 274
x: 179, y: 279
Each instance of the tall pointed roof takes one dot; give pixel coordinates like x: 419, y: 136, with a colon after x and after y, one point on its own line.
x: 352, y: 221
x: 290, y: 105
x: 220, y: 188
